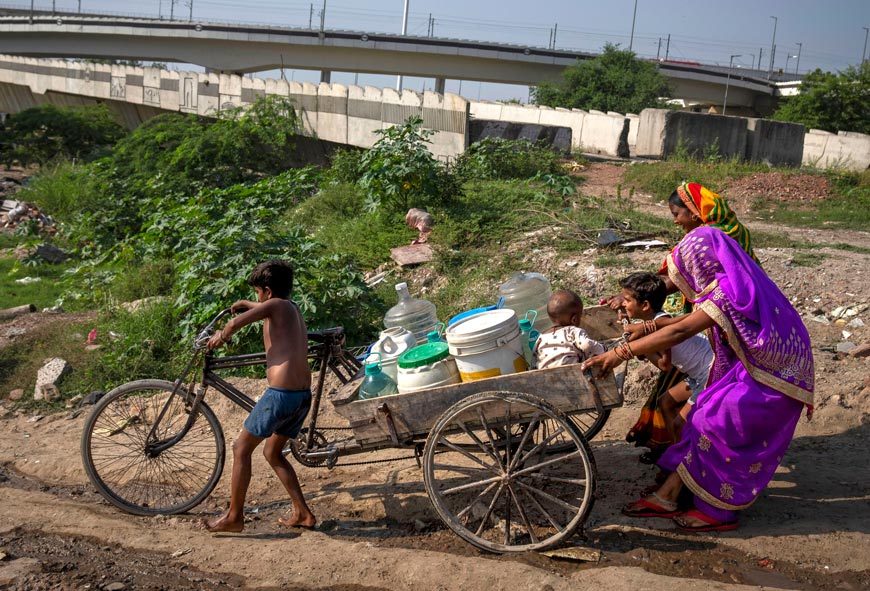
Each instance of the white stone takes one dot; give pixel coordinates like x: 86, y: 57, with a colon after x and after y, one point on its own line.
x: 48, y: 377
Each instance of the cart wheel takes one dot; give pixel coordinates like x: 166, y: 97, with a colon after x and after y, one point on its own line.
x: 494, y: 479
x: 589, y: 422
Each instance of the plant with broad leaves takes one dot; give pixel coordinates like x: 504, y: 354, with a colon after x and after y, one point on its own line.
x: 399, y: 170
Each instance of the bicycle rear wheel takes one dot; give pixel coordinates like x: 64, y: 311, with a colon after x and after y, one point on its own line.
x: 113, y: 450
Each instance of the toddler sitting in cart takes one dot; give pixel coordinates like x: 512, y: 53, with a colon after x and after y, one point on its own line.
x: 565, y: 342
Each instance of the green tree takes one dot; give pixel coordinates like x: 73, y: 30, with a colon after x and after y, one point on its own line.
x: 616, y: 80
x: 833, y: 102
x: 41, y: 134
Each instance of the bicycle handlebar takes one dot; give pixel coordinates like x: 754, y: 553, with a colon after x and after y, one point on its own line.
x: 201, y: 340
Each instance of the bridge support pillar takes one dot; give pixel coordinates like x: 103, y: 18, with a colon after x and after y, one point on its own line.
x: 326, y: 76
x: 439, y: 85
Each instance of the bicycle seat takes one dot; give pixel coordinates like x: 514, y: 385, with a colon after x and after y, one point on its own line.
x: 327, y: 335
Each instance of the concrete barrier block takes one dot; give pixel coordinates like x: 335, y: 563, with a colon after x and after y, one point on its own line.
x: 448, y: 115
x: 573, y: 120
x: 486, y: 110
x: 332, y: 112
x: 775, y: 143
x: 699, y: 133
x: 846, y: 151
x: 363, y: 115
x: 633, y: 125
x: 558, y: 138
x: 520, y: 113
x: 605, y: 134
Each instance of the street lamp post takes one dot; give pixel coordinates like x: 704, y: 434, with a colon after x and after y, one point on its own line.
x: 798, y: 63
x: 404, y: 31
x: 631, y: 39
x: 863, y: 52
x: 727, y: 81
x: 788, y: 57
x: 772, y: 46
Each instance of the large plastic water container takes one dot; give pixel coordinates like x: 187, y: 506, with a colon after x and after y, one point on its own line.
x: 486, y: 345
x: 427, y: 366
x: 391, y: 344
x: 413, y: 314
x: 528, y: 291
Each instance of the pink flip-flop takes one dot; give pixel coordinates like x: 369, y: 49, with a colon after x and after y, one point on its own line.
x: 663, y: 508
x: 710, y: 524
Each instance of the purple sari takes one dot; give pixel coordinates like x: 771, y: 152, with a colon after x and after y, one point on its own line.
x: 762, y: 376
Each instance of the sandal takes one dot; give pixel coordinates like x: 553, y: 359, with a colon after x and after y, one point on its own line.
x: 660, y: 508
x: 650, y: 457
x: 709, y: 524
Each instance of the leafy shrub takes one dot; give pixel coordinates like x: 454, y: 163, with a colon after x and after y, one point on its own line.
x: 345, y: 167
x: 400, y: 172
x: 45, y: 133
x: 64, y: 190
x: 497, y: 158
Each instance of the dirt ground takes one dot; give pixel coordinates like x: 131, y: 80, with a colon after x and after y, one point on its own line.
x: 809, y: 530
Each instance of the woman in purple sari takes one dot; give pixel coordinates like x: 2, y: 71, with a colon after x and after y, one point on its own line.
x: 762, y: 377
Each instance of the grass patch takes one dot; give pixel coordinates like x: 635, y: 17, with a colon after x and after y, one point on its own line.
x: 850, y: 211
x: 849, y: 247
x: 807, y: 259
x: 42, y: 294
x: 613, y: 260
x: 20, y: 362
x: 659, y: 179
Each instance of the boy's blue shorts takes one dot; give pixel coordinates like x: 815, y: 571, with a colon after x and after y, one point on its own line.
x: 279, y: 411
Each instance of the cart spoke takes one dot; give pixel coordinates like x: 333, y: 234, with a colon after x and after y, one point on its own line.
x: 529, y: 430
x: 507, y: 448
x: 523, y: 515
x: 476, y: 439
x: 544, y: 512
x: 456, y: 448
x: 526, y: 470
x: 462, y: 513
x: 470, y: 485
x: 542, y: 445
x: 507, y: 518
x: 547, y: 477
x: 488, y: 433
x: 489, y: 510
x: 549, y: 497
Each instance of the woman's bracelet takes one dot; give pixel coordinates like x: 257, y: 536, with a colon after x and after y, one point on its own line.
x: 649, y: 327
x: 623, y: 351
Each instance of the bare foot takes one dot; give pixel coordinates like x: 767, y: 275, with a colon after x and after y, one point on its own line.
x: 305, y: 521
x: 223, y: 524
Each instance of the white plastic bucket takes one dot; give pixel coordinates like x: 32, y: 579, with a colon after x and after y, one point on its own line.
x: 440, y: 373
x: 486, y: 345
x: 390, y: 346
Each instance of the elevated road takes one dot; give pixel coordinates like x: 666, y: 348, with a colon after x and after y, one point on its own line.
x: 250, y: 48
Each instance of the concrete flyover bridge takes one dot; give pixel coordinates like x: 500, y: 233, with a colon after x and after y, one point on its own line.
x: 234, y: 48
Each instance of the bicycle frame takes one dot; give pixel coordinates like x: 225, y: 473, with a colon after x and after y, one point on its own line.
x: 325, y: 347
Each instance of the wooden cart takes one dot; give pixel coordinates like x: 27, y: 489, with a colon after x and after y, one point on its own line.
x: 505, y: 465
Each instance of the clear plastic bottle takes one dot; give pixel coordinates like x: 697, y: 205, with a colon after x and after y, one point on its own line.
x: 528, y: 291
x: 415, y: 315
x: 376, y: 383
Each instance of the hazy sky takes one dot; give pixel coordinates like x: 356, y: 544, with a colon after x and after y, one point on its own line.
x: 703, y: 31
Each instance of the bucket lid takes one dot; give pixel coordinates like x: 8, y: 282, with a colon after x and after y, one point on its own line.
x: 468, y: 313
x: 425, y: 354
x: 483, y: 327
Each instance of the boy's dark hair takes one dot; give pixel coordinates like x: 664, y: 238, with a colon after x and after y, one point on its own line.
x: 676, y: 200
x: 277, y: 275
x: 646, y: 287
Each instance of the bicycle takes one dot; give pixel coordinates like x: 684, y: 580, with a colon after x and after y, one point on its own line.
x: 154, y: 447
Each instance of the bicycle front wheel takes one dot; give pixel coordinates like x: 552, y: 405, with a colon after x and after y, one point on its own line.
x: 113, y: 450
